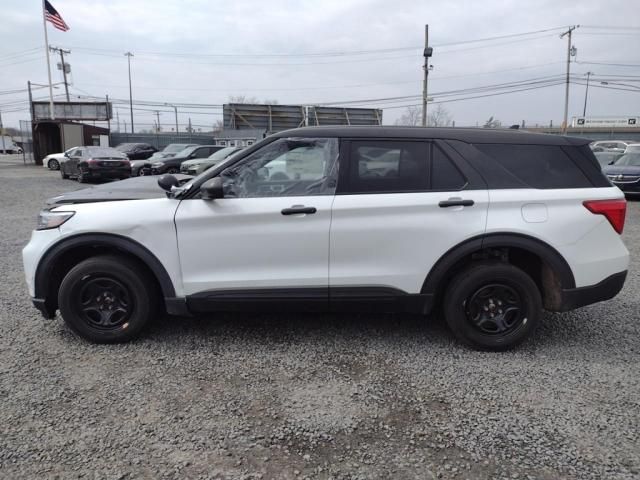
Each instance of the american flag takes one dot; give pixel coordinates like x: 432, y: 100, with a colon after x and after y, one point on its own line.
x: 52, y: 15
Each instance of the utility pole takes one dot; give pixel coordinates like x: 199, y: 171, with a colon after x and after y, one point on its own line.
x: 175, y: 110
x: 586, y: 92
x: 129, y: 55
x: 2, y: 134
x: 189, y: 129
x: 118, y: 119
x: 63, y: 67
x: 108, y: 115
x: 158, y: 122
x: 428, y: 51
x: 566, y: 93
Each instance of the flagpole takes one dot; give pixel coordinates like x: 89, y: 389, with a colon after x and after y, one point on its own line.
x: 46, y: 49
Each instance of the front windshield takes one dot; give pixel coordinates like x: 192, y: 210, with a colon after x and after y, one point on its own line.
x: 222, y: 154
x: 176, y: 147
x: 186, y: 151
x: 629, y: 159
x: 124, y: 147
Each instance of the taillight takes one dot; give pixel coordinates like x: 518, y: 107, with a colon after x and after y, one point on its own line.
x: 92, y: 161
x: 614, y: 210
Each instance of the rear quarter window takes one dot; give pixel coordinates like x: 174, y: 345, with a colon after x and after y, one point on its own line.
x: 538, y: 166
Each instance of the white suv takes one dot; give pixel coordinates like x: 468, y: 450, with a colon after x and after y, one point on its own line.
x: 492, y: 226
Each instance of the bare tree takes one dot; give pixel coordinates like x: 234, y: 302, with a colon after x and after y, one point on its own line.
x: 492, y: 123
x: 242, y: 99
x: 218, y: 126
x: 412, y: 116
x: 245, y: 99
x: 439, y: 117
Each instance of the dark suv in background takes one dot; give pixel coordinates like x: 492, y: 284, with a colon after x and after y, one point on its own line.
x: 95, y: 163
x: 137, y: 151
x: 172, y: 165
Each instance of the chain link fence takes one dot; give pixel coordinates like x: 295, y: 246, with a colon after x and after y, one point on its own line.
x: 26, y: 138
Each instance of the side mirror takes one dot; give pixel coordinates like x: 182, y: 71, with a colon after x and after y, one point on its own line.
x: 166, y: 182
x: 66, y: 154
x: 212, y: 189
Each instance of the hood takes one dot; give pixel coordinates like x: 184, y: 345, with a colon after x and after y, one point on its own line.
x: 621, y: 170
x: 138, y: 163
x: 195, y: 161
x: 135, y: 188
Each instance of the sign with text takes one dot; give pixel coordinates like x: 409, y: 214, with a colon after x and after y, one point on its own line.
x: 98, y: 111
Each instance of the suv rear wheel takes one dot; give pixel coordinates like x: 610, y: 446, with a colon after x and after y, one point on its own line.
x: 107, y: 299
x: 492, y: 306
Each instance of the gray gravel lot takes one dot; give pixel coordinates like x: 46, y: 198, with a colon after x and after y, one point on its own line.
x: 310, y: 396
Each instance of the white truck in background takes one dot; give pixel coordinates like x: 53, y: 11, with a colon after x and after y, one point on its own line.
x: 7, y: 145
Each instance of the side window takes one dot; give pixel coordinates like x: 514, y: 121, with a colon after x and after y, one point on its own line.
x: 444, y: 174
x: 79, y: 152
x: 388, y: 166
x: 202, y: 152
x: 285, y: 167
x: 538, y: 166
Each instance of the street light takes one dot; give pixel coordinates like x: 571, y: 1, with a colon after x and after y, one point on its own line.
x: 175, y: 110
x: 621, y: 84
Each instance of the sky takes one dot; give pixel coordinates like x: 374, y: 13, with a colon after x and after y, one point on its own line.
x: 329, y: 51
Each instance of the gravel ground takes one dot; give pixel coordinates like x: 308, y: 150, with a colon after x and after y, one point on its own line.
x: 310, y: 396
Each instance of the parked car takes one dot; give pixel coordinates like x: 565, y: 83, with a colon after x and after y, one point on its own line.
x: 172, y: 165
x: 140, y: 167
x: 137, y: 151
x: 95, y: 163
x: 491, y: 226
x: 199, y: 165
x: 625, y: 173
x: 53, y: 160
x: 632, y: 148
x: 607, y: 158
x: 170, y: 151
x: 618, y: 146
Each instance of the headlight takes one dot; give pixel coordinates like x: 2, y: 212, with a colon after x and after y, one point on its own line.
x: 48, y: 219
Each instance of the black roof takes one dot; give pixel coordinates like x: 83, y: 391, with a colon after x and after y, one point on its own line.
x: 469, y: 135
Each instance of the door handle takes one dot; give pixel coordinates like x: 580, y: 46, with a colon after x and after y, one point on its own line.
x: 455, y: 202
x: 298, y: 209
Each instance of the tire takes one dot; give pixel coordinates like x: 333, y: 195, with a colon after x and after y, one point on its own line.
x: 63, y: 175
x: 140, y: 172
x: 81, y: 176
x: 473, y: 301
x: 107, y: 299
x: 53, y: 164
x: 173, y: 170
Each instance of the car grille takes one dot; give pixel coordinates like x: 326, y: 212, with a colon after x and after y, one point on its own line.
x: 624, y: 178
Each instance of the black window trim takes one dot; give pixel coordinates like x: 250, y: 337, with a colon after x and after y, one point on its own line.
x: 344, y: 159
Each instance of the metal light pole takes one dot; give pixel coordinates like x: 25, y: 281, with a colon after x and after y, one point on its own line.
x: 428, y: 52
x: 586, y: 92
x: 566, y: 93
x: 129, y: 55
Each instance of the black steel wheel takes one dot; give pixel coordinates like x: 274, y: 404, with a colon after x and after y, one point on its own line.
x: 492, y: 306
x: 107, y: 299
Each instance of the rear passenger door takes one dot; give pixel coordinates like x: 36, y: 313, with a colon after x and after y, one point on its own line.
x: 399, y: 206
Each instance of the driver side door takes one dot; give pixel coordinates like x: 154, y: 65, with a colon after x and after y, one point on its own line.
x: 267, y: 241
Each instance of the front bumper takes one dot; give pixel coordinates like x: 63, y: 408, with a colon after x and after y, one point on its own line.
x: 579, y: 297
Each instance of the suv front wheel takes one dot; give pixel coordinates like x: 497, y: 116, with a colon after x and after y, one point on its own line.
x: 492, y: 306
x: 107, y: 299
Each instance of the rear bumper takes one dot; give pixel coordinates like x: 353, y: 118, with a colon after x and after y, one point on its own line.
x: 109, y: 173
x: 579, y: 297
